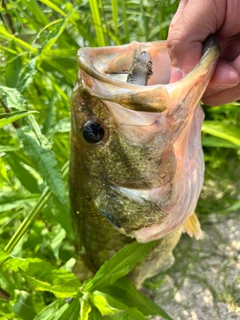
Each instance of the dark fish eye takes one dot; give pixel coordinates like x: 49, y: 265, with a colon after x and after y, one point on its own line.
x: 92, y: 132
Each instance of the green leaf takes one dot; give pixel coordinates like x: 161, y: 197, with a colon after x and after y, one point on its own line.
x: 119, y: 265
x: 129, y: 314
x: 106, y: 304
x: 3, y: 255
x: 24, y: 175
x: 97, y: 22
x: 227, y: 132
x: 27, y: 305
x: 44, y: 277
x: 94, y: 314
x: 44, y: 160
x: 12, y: 98
x: 53, y: 311
x: 125, y: 292
x: 211, y: 141
x: 56, y: 241
x: 85, y: 308
x: 6, y: 118
x: 59, y: 286
x: 27, y: 75
x: 61, y: 126
x: 53, y: 37
x: 13, y: 67
x: 9, y: 201
x: 60, y: 310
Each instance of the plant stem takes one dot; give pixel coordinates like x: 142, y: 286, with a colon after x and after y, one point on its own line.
x: 43, y: 200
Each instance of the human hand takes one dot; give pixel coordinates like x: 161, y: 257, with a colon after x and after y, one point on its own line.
x: 192, y: 23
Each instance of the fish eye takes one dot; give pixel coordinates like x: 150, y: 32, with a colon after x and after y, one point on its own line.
x: 92, y: 132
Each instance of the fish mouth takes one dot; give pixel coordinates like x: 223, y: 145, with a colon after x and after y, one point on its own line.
x: 158, y: 95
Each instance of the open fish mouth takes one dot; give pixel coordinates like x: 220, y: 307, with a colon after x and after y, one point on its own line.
x: 153, y: 140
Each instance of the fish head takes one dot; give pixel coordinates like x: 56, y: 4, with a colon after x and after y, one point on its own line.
x: 136, y: 150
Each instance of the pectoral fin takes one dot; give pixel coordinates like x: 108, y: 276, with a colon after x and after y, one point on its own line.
x: 192, y: 227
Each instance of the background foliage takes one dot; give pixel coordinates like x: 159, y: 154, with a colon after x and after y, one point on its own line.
x: 38, y: 45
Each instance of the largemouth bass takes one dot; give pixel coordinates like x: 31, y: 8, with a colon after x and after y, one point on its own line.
x: 136, y: 165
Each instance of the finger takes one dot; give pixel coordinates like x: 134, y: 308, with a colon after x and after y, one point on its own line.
x: 223, y: 97
x: 189, y: 29
x: 225, y: 76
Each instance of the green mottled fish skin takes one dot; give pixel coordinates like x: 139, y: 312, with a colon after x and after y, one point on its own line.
x: 98, y: 239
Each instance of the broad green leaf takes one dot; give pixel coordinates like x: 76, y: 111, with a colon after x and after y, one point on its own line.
x: 60, y: 290
x: 13, y: 67
x: 27, y: 75
x: 3, y: 255
x: 12, y: 98
x: 61, y: 126
x: 94, y: 314
x: 119, y: 265
x: 6, y: 118
x: 223, y: 131
x: 125, y: 292
x: 24, y: 175
x: 9, y: 201
x: 60, y: 310
x: 85, y: 308
x: 106, y: 304
x: 42, y: 276
x: 53, y: 36
x: 58, y: 212
x: 211, y: 141
x: 54, y: 311
x: 27, y: 305
x: 129, y: 314
x: 56, y: 241
x: 44, y: 160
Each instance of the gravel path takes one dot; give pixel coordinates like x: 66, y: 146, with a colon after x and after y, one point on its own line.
x: 204, y: 282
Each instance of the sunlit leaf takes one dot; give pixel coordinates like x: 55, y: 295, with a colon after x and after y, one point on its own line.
x: 6, y: 118
x: 60, y: 310
x: 129, y: 314
x: 44, y: 160
x: 85, y: 309
x: 44, y: 277
x: 12, y: 98
x: 125, y: 292
x: 106, y: 304
x: 3, y: 255
x: 223, y: 131
x: 119, y: 265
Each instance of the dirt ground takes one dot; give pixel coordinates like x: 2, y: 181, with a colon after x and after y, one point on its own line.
x: 204, y: 282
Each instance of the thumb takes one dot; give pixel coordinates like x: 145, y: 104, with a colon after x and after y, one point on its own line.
x: 193, y: 22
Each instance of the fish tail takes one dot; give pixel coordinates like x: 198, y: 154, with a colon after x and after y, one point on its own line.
x: 193, y: 228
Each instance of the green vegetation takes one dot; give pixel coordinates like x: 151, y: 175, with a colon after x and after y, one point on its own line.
x: 38, y: 45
